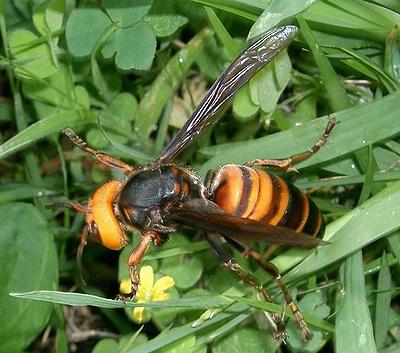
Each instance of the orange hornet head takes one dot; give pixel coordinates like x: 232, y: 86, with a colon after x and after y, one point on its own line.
x: 101, y: 221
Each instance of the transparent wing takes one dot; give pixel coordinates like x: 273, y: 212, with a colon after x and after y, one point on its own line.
x: 246, y: 64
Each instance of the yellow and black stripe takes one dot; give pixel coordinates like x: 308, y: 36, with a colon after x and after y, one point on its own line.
x: 255, y: 194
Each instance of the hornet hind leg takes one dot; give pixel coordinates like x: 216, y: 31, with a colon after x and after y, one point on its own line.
x: 288, y: 163
x: 230, y: 263
x: 271, y: 269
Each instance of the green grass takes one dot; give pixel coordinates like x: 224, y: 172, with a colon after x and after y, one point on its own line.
x: 125, y: 78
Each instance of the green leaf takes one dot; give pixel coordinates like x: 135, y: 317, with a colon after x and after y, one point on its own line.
x: 277, y: 11
x: 17, y: 191
x: 313, y: 304
x: 359, y: 179
x: 334, y: 87
x: 179, y: 249
x: 331, y: 40
x: 392, y: 54
x: 225, y: 328
x: 232, y: 46
x: 106, y: 345
x: 61, y: 344
x: 247, y: 340
x: 244, y: 8
x: 6, y: 111
x: 267, y: 86
x: 368, y: 182
x: 383, y: 298
x: 153, y: 102
x: 23, y: 6
x: 122, y: 107
x: 280, y: 119
x: 127, y: 12
x: 134, y: 47
x: 358, y: 128
x: 275, y: 308
x: 79, y: 299
x: 127, y: 342
x: 184, y: 345
x: 192, y: 314
x: 185, y: 271
x: 370, y: 66
x: 353, y: 320
x: 379, y: 212
x: 34, y: 59
x: 42, y: 128
x: 177, y: 333
x: 58, y: 91
x: 212, y: 59
x: 96, y: 139
x: 394, y: 242
x: 128, y: 152
x: 393, y: 348
x: 243, y: 106
x: 55, y: 14
x: 165, y: 25
x: 222, y: 280
x: 48, y: 17
x: 305, y: 110
x: 162, y: 317
x: 28, y: 261
x: 351, y: 18
x: 84, y: 28
x: 39, y: 19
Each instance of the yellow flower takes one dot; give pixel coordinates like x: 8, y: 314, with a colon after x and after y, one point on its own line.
x: 148, y: 291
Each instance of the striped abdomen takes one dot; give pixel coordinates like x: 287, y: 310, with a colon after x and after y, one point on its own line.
x: 258, y: 195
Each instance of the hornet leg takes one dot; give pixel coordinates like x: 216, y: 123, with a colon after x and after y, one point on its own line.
x: 273, y: 271
x: 133, y: 260
x: 230, y: 263
x: 287, y: 164
x: 101, y: 157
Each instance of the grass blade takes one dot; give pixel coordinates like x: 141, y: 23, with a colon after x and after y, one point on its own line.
x: 79, y: 299
x: 377, y: 217
x: 382, y: 308
x: 186, y: 330
x: 334, y: 87
x: 42, y: 128
x: 154, y: 101
x: 271, y: 307
x: 358, y: 127
x: 353, y: 320
x: 276, y: 12
x: 221, y: 32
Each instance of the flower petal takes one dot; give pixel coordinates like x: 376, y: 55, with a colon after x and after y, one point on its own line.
x: 146, y: 277
x: 125, y: 286
x: 141, y: 293
x: 161, y: 297
x: 138, y: 314
x: 164, y: 283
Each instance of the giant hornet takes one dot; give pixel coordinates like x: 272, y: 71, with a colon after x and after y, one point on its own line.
x: 237, y: 202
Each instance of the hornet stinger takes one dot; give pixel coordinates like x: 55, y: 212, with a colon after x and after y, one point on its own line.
x: 239, y: 203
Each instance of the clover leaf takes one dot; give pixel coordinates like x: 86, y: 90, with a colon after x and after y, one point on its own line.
x: 314, y: 304
x: 84, y: 28
x: 165, y: 25
x: 134, y: 47
x: 131, y: 41
x: 33, y: 58
x: 127, y: 12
